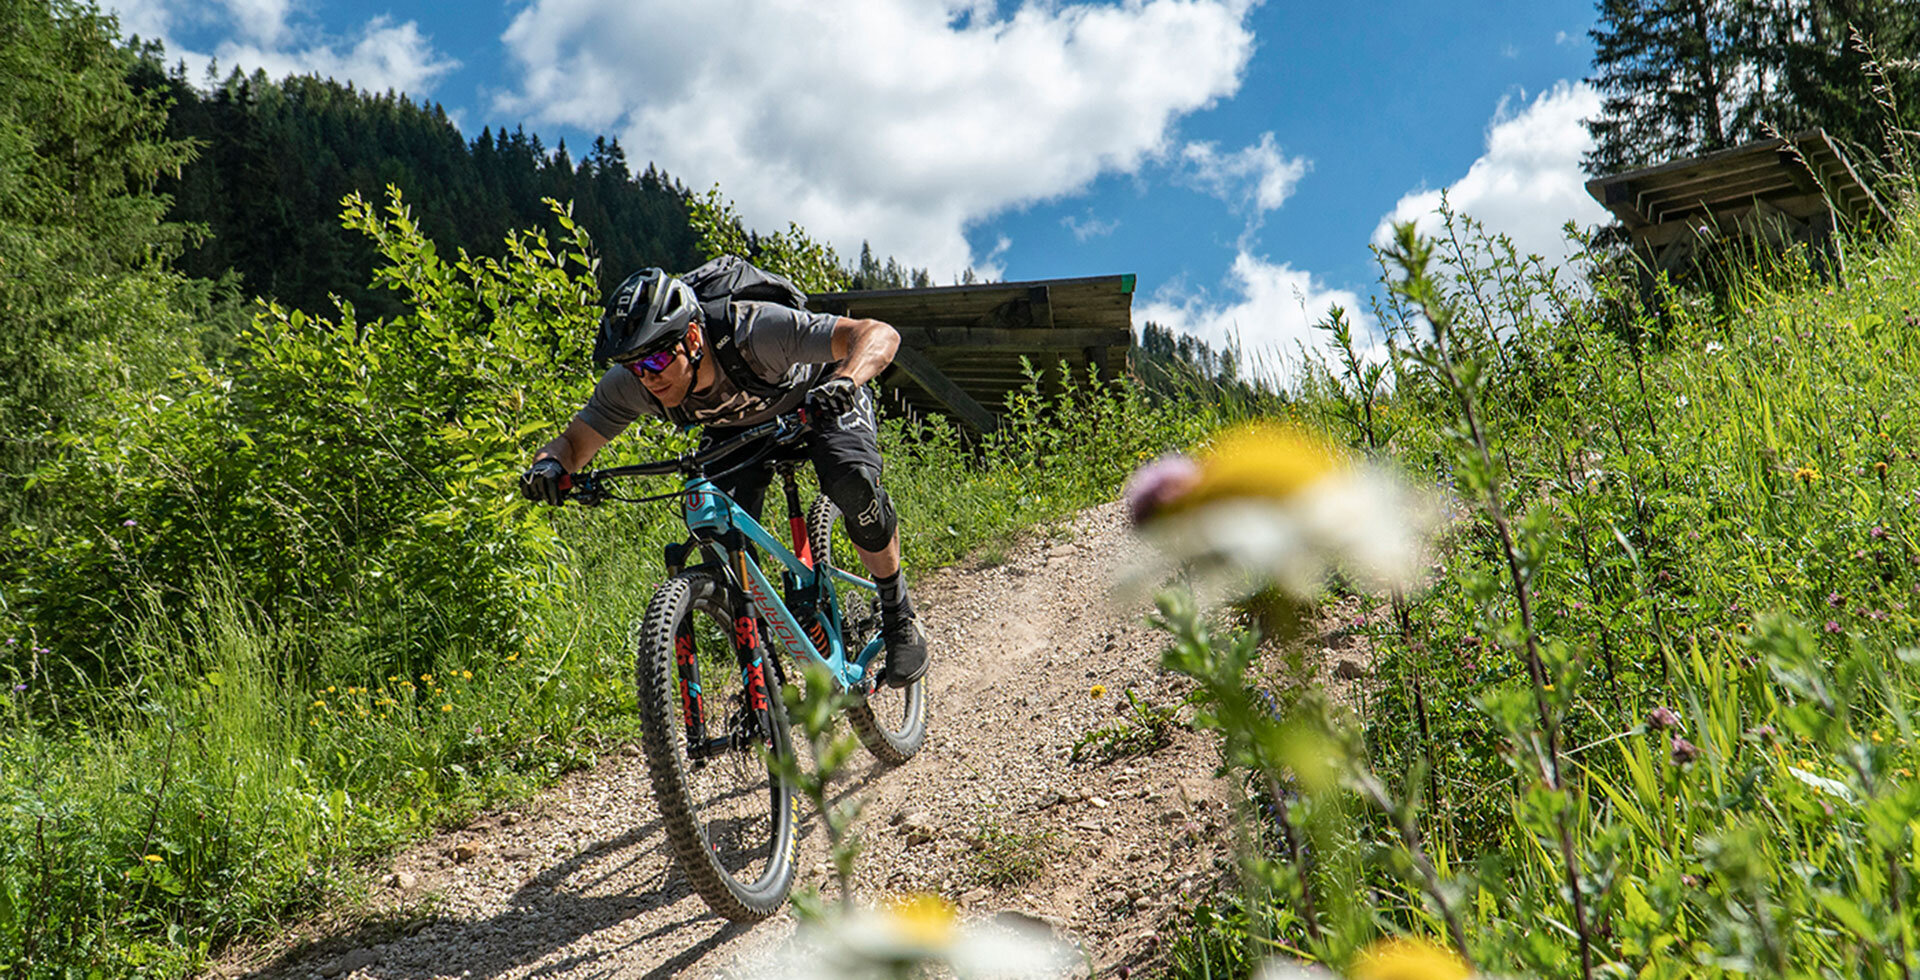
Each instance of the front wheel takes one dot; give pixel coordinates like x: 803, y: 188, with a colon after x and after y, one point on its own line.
x: 709, y: 732
x: 891, y: 722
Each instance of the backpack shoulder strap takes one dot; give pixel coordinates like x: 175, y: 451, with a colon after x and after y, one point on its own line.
x: 718, y: 331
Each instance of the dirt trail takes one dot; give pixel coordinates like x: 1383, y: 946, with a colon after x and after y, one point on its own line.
x: 581, y: 882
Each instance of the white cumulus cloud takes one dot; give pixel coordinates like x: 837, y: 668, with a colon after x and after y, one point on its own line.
x: 1268, y: 311
x: 900, y: 122
x: 1528, y: 183
x: 1258, y: 176
x: 377, y: 55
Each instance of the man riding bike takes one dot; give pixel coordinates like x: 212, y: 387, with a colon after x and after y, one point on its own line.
x: 656, y: 333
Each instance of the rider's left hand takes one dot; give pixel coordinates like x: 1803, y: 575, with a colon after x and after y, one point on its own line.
x: 833, y: 397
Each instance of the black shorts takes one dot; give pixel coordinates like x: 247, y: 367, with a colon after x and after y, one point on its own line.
x: 839, y: 448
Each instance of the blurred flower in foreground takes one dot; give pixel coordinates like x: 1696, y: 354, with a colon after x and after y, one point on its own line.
x: 916, y: 935
x: 1274, y: 505
x: 1402, y: 958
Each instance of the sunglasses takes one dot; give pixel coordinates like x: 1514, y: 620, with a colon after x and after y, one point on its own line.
x: 653, y: 363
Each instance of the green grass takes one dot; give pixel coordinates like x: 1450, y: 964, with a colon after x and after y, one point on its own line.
x: 1004, y: 857
x: 1709, y: 506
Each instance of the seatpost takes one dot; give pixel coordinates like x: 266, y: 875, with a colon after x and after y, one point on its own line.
x: 796, y: 523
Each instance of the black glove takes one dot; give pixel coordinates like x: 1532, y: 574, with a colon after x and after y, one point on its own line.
x: 833, y: 397
x: 545, y: 481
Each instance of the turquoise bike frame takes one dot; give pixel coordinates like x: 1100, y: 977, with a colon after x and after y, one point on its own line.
x: 710, y: 513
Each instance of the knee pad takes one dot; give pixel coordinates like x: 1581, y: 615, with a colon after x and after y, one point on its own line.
x: 864, y: 506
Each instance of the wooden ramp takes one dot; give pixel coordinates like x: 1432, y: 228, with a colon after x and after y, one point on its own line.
x: 961, y: 346
x: 1777, y: 190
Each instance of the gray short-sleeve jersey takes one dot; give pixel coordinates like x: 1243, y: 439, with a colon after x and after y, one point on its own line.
x: 785, y: 346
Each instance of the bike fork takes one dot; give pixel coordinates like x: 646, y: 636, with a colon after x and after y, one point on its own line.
x: 752, y: 653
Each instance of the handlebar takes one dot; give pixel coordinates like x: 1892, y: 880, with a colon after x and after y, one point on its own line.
x: 587, y: 487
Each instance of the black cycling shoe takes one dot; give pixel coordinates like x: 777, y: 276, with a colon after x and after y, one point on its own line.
x: 906, y: 652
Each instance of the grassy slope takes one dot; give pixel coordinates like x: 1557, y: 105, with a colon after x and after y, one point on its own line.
x: 1718, y: 518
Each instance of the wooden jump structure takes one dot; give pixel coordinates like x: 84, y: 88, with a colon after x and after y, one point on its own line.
x: 1779, y: 191
x: 961, y: 346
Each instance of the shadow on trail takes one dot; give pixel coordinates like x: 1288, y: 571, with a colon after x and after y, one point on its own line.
x: 555, y: 909
x: 551, y: 911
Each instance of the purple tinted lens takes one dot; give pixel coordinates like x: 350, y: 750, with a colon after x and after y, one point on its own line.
x: 655, y: 362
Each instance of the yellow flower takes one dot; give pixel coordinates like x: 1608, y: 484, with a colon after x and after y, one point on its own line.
x: 1097, y: 691
x: 446, y: 707
x: 426, y: 678
x: 511, y: 657
x: 329, y: 688
x: 1403, y: 958
x: 1261, y: 460
x: 923, y: 920
x: 467, y: 674
x: 155, y: 858
x: 1806, y: 475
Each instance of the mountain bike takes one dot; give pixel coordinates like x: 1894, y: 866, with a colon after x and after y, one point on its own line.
x: 711, y: 715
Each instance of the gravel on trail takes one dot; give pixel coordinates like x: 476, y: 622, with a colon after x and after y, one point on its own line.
x: 1029, y: 655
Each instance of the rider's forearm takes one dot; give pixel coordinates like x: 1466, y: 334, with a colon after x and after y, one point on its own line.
x: 869, y: 350
x: 573, y: 447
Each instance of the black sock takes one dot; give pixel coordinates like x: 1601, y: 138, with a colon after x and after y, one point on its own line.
x: 894, y: 603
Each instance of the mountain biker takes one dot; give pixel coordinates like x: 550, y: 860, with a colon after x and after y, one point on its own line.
x: 654, y: 332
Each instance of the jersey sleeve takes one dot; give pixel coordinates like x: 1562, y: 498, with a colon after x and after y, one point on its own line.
x: 618, y: 398
x: 780, y: 337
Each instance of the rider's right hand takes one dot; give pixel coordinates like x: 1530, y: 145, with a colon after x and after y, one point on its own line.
x: 545, y: 481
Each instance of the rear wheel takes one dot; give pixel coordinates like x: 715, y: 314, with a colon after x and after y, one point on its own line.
x: 891, y: 722
x: 729, y: 814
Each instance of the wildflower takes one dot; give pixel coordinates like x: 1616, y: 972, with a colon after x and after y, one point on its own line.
x: 1832, y: 626
x: 1097, y: 691
x: 511, y: 657
x: 446, y: 707
x: 1270, y: 504
x: 1806, y: 475
x: 154, y: 859
x: 1764, y: 733
x: 17, y: 688
x: 1662, y: 718
x: 1877, y: 532
x: 912, y: 935
x: 1403, y: 958
x: 466, y: 675
x: 1684, y: 752
x: 129, y: 522
x: 1834, y: 599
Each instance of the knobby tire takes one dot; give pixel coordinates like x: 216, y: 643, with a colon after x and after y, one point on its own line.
x: 731, y: 820
x: 891, y: 722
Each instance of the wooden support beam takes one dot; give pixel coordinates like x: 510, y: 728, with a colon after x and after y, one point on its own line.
x: 935, y: 382
x: 1006, y: 339
x: 1040, y: 306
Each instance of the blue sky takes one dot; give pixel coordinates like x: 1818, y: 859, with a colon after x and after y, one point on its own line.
x: 1237, y: 155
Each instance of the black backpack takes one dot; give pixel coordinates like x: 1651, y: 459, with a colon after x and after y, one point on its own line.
x: 730, y: 278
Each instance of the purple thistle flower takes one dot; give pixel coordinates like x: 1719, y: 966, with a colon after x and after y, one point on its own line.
x: 129, y: 522
x: 1661, y: 718
x: 1155, y: 485
x: 1832, y: 626
x: 1684, y: 752
x: 1834, y: 600
x: 1877, y: 532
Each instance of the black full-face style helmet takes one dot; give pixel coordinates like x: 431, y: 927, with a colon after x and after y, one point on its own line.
x: 647, y: 314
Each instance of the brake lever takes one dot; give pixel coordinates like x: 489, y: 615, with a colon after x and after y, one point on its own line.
x: 587, y: 491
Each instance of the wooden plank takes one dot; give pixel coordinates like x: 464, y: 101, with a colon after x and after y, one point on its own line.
x: 993, y: 339
x: 985, y: 295
x: 956, y: 401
